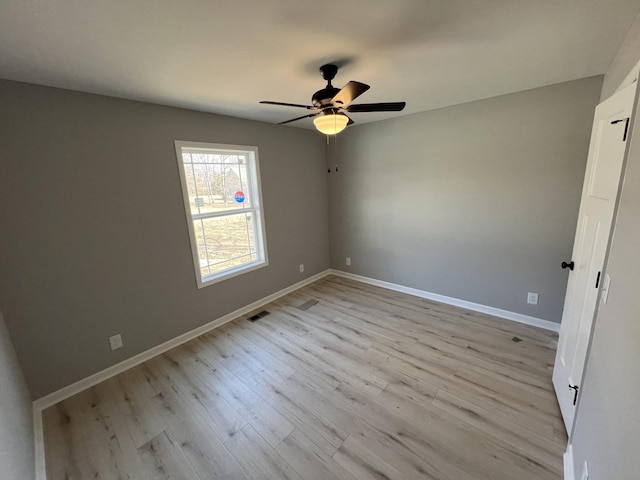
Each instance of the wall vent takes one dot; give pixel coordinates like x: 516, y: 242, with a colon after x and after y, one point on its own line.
x: 258, y: 315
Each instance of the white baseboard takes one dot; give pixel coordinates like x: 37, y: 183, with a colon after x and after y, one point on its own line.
x: 47, y: 401
x: 567, y: 460
x: 476, y: 307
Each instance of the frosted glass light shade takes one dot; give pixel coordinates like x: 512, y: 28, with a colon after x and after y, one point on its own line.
x: 331, y: 123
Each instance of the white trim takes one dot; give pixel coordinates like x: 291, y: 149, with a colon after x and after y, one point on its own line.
x: 476, y: 307
x: 567, y: 460
x: 47, y: 401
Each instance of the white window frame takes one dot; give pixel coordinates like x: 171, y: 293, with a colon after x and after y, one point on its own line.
x: 254, y: 184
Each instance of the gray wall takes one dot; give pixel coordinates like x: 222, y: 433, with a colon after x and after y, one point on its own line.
x: 625, y: 59
x: 478, y: 201
x: 94, y: 238
x: 607, y: 427
x: 16, y: 428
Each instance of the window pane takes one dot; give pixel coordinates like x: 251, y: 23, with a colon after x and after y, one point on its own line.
x: 191, y: 188
x: 198, y: 229
x: 251, y: 230
x: 215, y: 185
x: 233, y: 185
x: 233, y: 263
x: 244, y: 185
x: 227, y: 242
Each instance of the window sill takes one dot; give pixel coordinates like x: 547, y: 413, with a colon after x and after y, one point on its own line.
x: 213, y: 279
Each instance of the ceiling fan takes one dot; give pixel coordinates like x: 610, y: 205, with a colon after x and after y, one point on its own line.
x: 331, y: 103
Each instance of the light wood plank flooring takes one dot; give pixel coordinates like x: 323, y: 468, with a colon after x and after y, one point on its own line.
x: 365, y: 384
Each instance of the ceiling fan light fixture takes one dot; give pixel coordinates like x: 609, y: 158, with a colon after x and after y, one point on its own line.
x: 329, y: 103
x: 331, y: 123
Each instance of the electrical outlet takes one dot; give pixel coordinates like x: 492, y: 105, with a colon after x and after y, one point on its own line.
x: 532, y: 298
x: 301, y: 267
x: 348, y: 261
x: 115, y: 341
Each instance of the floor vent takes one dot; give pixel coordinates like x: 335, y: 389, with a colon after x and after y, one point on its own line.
x: 259, y: 315
x: 308, y: 304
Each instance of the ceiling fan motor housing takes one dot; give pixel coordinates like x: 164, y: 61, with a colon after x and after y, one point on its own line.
x: 323, y: 97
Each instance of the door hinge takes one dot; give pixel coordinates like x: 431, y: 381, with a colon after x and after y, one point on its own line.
x: 598, y: 280
x: 575, y: 393
x: 626, y: 127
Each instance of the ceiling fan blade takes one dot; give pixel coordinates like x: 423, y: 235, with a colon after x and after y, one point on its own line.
x: 300, y: 118
x: 308, y: 107
x: 376, y: 107
x: 350, y: 122
x: 349, y: 93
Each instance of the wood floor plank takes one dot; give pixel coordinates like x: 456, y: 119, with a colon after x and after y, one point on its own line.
x: 225, y: 421
x: 534, y: 382
x: 165, y: 460
x: 528, y: 442
x: 417, y: 370
x: 67, y: 453
x: 360, y: 383
x: 364, y: 464
x: 330, y: 328
x: 306, y: 457
x: 259, y: 460
x: 200, y: 445
x: 249, y: 370
x: 322, y: 432
x: 394, y: 447
x: 297, y: 413
x: 448, y: 442
x: 251, y: 357
x: 343, y: 361
x: 511, y: 404
x: 250, y: 407
x: 108, y: 438
x: 321, y: 405
x: 288, y: 353
x: 540, y: 404
x: 143, y: 422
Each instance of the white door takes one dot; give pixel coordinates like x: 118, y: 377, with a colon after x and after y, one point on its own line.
x: 599, y: 193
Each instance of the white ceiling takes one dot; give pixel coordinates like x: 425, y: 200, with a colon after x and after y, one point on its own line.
x: 224, y: 56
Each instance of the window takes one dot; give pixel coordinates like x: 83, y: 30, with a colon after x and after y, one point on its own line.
x: 221, y: 191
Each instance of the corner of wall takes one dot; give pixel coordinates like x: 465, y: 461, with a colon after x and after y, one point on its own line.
x: 617, y: 75
x: 16, y: 421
